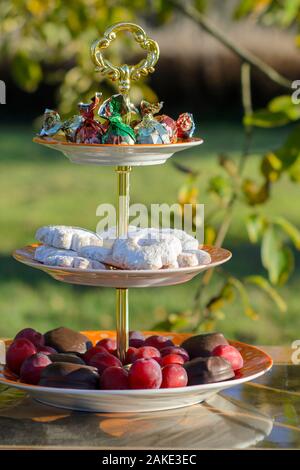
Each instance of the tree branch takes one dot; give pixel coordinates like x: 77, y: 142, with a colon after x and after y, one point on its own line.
x: 191, y: 12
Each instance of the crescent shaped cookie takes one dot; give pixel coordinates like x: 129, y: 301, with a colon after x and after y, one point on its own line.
x: 68, y: 238
x: 73, y: 262
x: 44, y: 251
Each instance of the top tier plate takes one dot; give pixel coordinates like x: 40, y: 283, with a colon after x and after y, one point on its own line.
x: 118, y: 155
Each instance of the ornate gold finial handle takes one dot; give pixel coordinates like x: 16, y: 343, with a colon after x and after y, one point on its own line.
x: 125, y: 73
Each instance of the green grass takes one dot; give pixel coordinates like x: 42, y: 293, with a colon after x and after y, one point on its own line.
x: 38, y: 186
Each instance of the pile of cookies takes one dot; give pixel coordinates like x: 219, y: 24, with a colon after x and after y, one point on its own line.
x: 64, y: 358
x: 118, y: 122
x: 142, y: 249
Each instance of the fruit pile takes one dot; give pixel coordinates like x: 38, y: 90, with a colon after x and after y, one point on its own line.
x: 67, y: 359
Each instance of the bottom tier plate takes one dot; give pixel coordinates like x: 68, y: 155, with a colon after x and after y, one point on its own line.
x: 256, y: 363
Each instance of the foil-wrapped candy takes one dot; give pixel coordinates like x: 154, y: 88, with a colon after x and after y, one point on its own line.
x: 52, y: 123
x: 117, y: 104
x: 170, y: 125
x: 185, y: 126
x: 149, y: 130
x: 117, y: 132
x: 70, y: 127
x: 89, y: 131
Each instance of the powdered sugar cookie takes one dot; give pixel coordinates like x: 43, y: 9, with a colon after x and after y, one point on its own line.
x: 97, y: 253
x: 193, y: 258
x: 68, y: 238
x: 44, y: 251
x: 73, y: 262
x: 187, y: 241
x: 140, y: 252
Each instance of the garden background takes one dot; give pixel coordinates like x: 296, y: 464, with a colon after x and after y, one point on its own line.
x: 215, y: 62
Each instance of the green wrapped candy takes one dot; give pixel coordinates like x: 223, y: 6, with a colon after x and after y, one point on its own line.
x: 118, y: 132
x: 116, y: 104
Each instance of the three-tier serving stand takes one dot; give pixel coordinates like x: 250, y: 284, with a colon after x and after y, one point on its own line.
x: 123, y: 157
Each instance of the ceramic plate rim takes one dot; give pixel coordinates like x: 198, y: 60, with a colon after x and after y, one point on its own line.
x: 36, y: 264
x: 190, y: 143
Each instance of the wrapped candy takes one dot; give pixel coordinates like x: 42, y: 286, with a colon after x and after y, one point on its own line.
x: 185, y: 126
x: 170, y: 126
x: 89, y: 131
x: 70, y: 127
x: 116, y: 104
x: 118, y: 132
x: 149, y: 130
x: 52, y: 123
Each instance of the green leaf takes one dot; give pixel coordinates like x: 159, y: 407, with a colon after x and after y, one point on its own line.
x: 271, y: 167
x: 285, y: 104
x: 277, y: 259
x: 255, y: 224
x: 287, y: 265
x: 244, y: 8
x: 290, y: 12
x: 294, y: 172
x: 291, y: 230
x: 263, y: 284
x: 255, y: 194
x: 279, y: 111
x: 270, y: 253
x: 265, y: 118
x: 289, y: 153
x: 220, y: 186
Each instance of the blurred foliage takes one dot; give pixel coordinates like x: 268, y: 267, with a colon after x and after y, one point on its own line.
x: 49, y: 41
x: 283, y: 13
x: 275, y: 235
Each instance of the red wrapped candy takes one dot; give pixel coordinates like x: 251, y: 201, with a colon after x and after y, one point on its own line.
x: 170, y: 125
x: 90, y: 131
x: 185, y: 126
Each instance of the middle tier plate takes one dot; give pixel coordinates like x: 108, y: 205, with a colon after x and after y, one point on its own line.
x: 121, y: 278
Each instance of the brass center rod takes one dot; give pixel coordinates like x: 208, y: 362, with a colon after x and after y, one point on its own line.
x: 122, y: 312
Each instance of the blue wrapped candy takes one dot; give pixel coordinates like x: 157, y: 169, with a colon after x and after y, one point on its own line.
x: 150, y: 131
x: 52, y: 123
